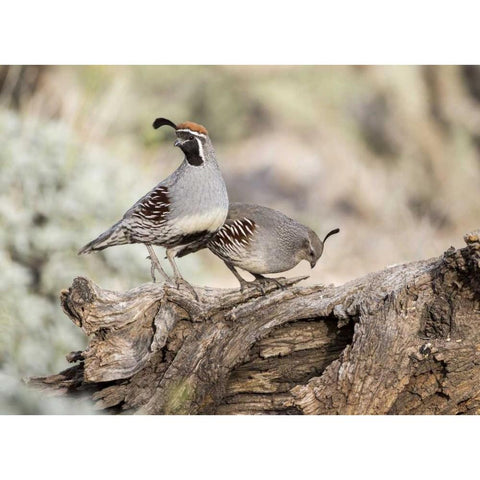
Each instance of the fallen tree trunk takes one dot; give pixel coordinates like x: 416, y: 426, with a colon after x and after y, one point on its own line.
x: 405, y: 340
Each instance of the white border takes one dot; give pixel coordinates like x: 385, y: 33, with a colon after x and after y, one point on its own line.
x: 249, y: 32
x: 243, y: 447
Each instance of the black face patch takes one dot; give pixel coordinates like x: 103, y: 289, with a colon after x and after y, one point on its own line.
x: 191, y: 149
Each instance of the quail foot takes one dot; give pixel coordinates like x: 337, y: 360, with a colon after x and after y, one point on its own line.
x: 184, y: 210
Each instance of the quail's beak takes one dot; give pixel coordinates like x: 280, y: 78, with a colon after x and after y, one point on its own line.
x: 313, y: 263
x: 177, y: 143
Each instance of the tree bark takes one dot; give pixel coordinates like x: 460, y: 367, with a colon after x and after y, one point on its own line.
x: 405, y: 340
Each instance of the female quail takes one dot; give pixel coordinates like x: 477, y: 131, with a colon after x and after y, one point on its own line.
x: 262, y: 240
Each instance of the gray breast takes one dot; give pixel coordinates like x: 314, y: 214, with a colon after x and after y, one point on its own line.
x: 199, y: 200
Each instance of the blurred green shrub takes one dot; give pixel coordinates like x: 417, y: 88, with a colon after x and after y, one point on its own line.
x: 55, y: 195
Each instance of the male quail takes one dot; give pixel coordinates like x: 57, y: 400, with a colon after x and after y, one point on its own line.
x: 262, y: 240
x: 186, y: 208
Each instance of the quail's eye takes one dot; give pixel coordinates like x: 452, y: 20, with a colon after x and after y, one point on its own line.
x: 190, y: 137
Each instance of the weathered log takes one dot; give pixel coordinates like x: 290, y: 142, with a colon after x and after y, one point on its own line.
x: 400, y: 341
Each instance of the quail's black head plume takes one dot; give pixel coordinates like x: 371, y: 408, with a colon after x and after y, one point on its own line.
x: 262, y: 240
x: 185, y: 209
x: 159, y: 122
x: 330, y: 233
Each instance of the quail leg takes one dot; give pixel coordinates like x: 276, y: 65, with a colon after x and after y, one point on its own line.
x: 179, y: 280
x: 266, y: 280
x: 155, y: 264
x: 243, y: 283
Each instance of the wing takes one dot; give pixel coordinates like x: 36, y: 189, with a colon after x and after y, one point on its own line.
x: 153, y: 207
x: 233, y: 238
x: 146, y: 221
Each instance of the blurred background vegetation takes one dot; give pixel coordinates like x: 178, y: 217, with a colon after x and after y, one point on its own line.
x: 391, y: 155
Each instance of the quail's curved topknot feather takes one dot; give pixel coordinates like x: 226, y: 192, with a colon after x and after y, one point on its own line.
x: 159, y: 122
x: 332, y: 232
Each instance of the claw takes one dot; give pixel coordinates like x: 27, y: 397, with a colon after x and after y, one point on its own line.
x: 245, y: 285
x: 277, y: 282
x: 265, y: 281
x: 180, y: 281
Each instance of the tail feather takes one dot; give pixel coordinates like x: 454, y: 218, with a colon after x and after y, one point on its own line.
x: 113, y: 236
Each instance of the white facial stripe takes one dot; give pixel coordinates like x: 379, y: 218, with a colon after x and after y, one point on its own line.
x: 198, y: 134
x: 200, y: 149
